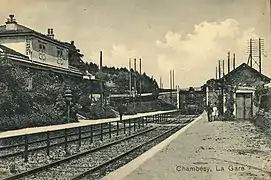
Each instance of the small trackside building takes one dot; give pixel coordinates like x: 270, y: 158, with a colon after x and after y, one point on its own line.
x: 238, y: 89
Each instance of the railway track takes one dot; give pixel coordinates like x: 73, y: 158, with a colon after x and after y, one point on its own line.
x: 71, y: 137
x: 69, y: 164
x: 84, y: 164
x: 44, y: 139
x: 73, y: 157
x: 137, y: 150
x: 44, y: 146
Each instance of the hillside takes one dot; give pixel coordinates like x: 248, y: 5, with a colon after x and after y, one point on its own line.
x: 31, y: 97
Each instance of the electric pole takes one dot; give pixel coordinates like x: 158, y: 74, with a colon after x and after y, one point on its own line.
x: 219, y: 70
x: 223, y: 67
x: 135, y: 76
x: 130, y: 77
x: 173, y: 83
x: 101, y: 83
x: 140, y: 79
x: 216, y: 72
x: 255, y: 57
x: 229, y: 62
x: 233, y: 61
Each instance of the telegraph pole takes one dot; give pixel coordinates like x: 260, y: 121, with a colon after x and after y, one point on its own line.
x: 216, y: 72
x: 260, y: 54
x: 130, y: 77
x: 250, y: 52
x: 173, y: 83
x: 254, y: 57
x: 223, y: 67
x: 160, y: 82
x: 134, y: 81
x: 135, y: 75
x: 101, y: 83
x: 233, y: 61
x: 140, y: 79
x: 219, y: 69
x: 229, y: 62
x: 170, y: 79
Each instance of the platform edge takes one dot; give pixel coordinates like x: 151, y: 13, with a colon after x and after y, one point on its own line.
x: 127, y: 169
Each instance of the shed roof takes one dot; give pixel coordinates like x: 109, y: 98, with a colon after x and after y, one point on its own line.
x: 245, y: 66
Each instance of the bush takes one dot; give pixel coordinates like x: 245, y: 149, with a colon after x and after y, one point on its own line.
x: 262, y: 119
x: 49, y: 116
x: 96, y: 112
x: 147, y: 106
x: 21, y: 106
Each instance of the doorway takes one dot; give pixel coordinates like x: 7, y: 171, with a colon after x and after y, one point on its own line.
x: 244, y: 105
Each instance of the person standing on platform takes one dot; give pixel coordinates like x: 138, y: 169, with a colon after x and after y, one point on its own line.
x: 120, y: 110
x: 215, y: 112
x: 209, y: 110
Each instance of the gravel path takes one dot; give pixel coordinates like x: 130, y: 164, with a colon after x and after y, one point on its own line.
x: 211, y: 151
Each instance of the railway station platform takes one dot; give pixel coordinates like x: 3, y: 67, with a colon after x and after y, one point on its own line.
x: 83, y: 122
x: 228, y: 150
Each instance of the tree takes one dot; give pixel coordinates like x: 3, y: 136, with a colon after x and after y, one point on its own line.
x: 75, y: 58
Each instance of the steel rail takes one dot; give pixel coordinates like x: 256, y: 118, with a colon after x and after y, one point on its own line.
x: 47, y: 166
x: 57, y: 144
x: 84, y: 174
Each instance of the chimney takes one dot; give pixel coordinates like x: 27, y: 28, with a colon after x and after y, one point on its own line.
x: 52, y: 33
x: 11, y: 23
x: 49, y: 32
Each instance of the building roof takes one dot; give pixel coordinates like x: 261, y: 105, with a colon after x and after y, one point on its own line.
x: 245, y: 66
x: 25, y: 31
x: 6, y: 50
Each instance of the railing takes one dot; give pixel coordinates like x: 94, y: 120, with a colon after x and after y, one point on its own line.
x: 72, y: 68
x: 77, y: 134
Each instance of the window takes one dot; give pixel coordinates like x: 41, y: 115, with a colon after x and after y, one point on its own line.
x: 42, y: 47
x: 60, y: 56
x: 28, y: 47
x: 42, y: 51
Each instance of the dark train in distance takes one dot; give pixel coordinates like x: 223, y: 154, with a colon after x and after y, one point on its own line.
x: 192, y: 101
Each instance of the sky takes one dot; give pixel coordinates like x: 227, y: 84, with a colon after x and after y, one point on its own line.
x: 189, y: 36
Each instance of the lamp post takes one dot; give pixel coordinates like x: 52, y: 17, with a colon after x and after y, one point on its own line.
x: 68, y: 99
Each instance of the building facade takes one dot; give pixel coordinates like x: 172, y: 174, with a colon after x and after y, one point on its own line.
x: 39, y: 48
